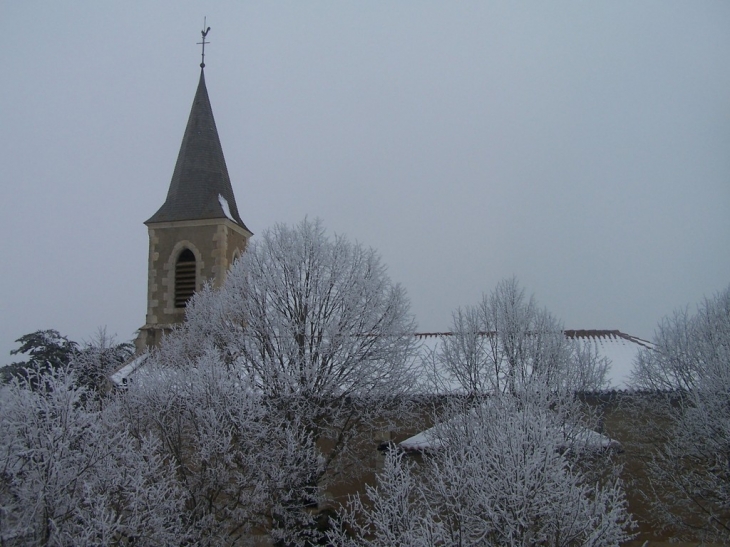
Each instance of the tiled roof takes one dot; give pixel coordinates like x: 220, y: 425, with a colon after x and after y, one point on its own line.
x: 618, y: 347
x: 201, y: 176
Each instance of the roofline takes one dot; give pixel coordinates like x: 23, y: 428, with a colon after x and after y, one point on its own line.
x: 569, y: 333
x: 119, y: 377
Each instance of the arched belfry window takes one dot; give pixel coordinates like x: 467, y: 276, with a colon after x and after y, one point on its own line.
x: 184, y: 278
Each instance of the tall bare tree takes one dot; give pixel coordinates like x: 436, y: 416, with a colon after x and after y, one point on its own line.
x: 314, y: 327
x: 507, y: 341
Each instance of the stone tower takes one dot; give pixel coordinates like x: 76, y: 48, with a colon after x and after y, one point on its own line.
x: 197, y: 233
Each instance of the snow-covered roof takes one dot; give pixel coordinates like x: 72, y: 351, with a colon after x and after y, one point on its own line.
x: 618, y: 347
x: 430, y: 440
x: 425, y: 440
x: 119, y: 378
x: 226, y: 209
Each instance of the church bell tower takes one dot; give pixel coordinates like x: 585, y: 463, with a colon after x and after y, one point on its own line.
x: 197, y: 233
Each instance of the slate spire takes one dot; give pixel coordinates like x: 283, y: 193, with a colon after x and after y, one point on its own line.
x: 200, y: 178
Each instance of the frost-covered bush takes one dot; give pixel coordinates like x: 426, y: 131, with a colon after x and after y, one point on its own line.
x: 507, y: 341
x: 512, y: 459
x: 240, y: 463
x: 268, y: 389
x: 505, y: 472
x: 689, y: 371
x: 71, y: 474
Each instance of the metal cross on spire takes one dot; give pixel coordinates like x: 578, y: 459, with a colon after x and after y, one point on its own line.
x: 204, y: 33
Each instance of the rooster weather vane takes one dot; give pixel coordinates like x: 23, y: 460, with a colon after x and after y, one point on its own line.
x: 204, y: 33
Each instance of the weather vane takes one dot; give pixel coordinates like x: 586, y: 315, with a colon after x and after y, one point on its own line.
x: 204, y: 32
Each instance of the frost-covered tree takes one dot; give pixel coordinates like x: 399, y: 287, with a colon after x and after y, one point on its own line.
x: 512, y: 471
x: 505, y: 472
x: 98, y: 357
x: 689, y: 372
x: 314, y: 327
x: 395, y: 512
x: 46, y: 350
x: 508, y: 341
x: 43, y: 350
x: 240, y: 465
x: 71, y: 474
x: 513, y: 460
x: 688, y: 348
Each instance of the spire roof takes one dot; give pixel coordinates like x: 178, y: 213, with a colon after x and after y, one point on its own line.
x: 200, y: 187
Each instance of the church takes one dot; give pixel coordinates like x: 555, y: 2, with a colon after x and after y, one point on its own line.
x: 197, y: 234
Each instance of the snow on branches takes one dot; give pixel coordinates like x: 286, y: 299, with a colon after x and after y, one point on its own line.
x: 312, y: 351
x: 507, y: 341
x: 512, y: 459
x: 506, y: 472
x: 70, y: 474
x: 689, y: 466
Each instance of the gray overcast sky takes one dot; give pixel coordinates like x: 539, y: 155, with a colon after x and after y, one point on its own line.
x: 583, y: 147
